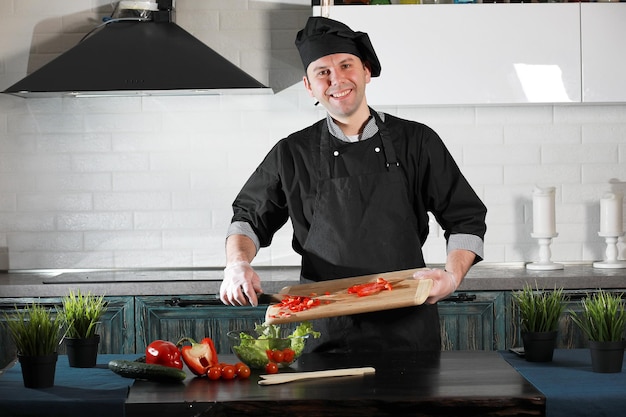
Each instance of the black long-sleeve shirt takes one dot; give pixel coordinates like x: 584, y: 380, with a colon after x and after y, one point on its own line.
x: 284, y: 185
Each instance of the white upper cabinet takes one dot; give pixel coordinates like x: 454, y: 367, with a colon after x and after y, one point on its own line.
x: 444, y: 54
x: 603, y: 52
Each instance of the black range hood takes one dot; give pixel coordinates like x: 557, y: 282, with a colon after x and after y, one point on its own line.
x: 129, y: 57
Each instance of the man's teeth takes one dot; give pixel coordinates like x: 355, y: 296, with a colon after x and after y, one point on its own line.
x: 345, y: 93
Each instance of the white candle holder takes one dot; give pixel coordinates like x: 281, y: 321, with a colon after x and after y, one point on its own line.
x: 544, y: 263
x: 611, y: 260
x: 326, y: 5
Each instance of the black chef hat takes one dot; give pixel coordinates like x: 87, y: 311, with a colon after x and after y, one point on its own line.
x: 322, y: 36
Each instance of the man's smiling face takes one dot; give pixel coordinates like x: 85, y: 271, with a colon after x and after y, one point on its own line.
x: 338, y: 82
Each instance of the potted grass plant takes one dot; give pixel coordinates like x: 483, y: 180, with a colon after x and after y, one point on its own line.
x: 36, y: 332
x: 540, y: 312
x: 603, y: 321
x: 82, y: 314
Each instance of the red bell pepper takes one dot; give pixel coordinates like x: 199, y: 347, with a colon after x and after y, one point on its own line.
x: 162, y: 352
x: 198, y: 357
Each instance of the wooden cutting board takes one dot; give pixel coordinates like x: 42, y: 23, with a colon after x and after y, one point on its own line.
x: 336, y: 301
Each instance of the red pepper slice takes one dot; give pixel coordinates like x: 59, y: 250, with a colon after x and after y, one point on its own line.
x: 198, y: 357
x: 162, y: 352
x: 364, y: 292
x: 296, y: 303
x: 370, y: 288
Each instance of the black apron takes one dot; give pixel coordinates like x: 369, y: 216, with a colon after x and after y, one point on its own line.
x: 365, y: 224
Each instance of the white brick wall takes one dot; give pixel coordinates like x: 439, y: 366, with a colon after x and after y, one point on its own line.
x: 148, y: 182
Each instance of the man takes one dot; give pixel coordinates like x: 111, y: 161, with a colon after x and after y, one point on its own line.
x: 357, y: 187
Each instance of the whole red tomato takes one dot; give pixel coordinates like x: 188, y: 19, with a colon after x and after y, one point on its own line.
x: 214, y: 373
x: 271, y: 368
x: 243, y: 370
x: 229, y: 372
x: 288, y: 355
x: 277, y: 355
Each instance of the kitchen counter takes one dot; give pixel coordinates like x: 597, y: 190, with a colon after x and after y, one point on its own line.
x: 436, y: 383
x: 445, y: 384
x: 478, y: 383
x: 482, y: 277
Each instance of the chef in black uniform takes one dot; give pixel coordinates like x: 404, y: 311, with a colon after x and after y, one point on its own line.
x: 356, y: 187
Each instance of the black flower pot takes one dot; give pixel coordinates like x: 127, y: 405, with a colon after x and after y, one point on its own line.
x: 539, y: 346
x: 82, y: 353
x: 607, y: 357
x: 38, y: 371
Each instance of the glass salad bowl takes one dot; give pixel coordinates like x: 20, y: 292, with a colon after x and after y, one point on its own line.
x: 264, y: 344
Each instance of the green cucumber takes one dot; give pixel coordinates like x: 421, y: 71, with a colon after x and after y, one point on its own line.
x: 147, y: 371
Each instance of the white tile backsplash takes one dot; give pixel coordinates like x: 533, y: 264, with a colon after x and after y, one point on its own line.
x: 502, y: 154
x: 132, y: 201
x: 541, y: 174
x: 172, y: 220
x: 148, y: 181
x: 54, y: 202
x: 589, y: 153
x: 34, y: 122
x: 123, y: 240
x: 79, y: 221
x: 542, y: 134
x: 46, y: 241
x: 63, y: 182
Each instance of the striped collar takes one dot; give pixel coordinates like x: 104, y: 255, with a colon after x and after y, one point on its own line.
x: 369, y: 130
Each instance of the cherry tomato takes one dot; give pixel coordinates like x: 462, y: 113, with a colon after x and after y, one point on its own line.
x: 277, y: 355
x: 288, y: 355
x: 271, y: 368
x: 228, y: 372
x: 270, y: 354
x: 214, y: 373
x: 243, y: 371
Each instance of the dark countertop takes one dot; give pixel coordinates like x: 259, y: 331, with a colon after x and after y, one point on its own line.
x: 442, y: 383
x: 482, y: 277
x: 471, y: 383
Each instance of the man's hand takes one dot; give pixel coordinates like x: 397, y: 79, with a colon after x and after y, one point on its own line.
x: 444, y: 283
x: 241, y: 284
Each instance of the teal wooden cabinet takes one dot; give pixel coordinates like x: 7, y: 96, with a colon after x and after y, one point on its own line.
x: 170, y: 318
x: 117, y: 328
x: 487, y: 320
x: 469, y: 321
x: 473, y: 321
x: 570, y: 336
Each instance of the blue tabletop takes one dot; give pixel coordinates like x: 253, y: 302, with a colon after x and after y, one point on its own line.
x: 92, y: 392
x: 570, y: 386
